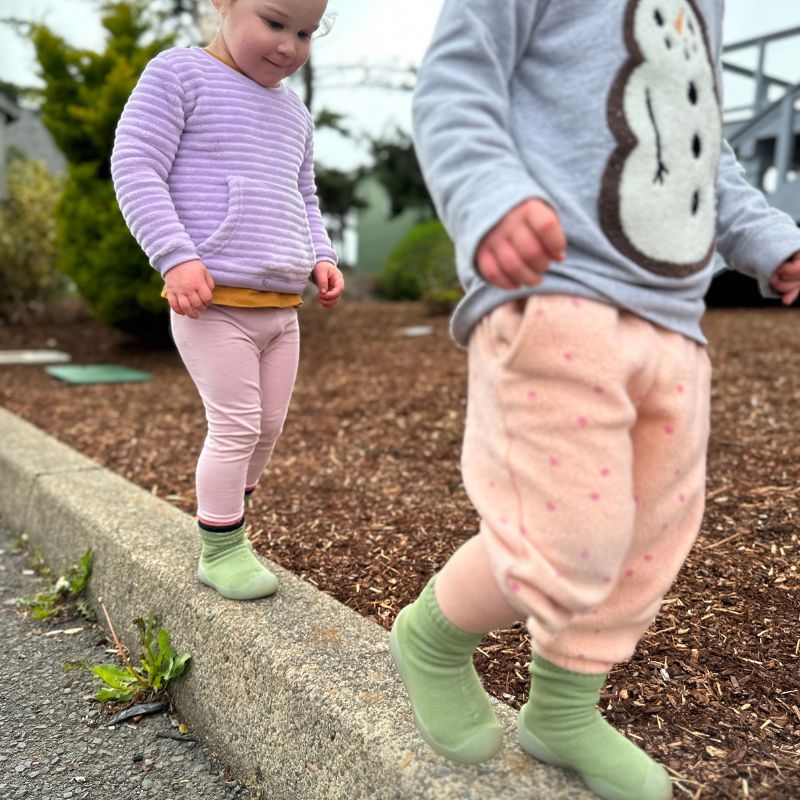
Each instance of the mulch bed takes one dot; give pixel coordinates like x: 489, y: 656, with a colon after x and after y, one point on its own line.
x: 364, y: 499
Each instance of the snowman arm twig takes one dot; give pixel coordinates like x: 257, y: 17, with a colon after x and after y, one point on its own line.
x: 662, y: 167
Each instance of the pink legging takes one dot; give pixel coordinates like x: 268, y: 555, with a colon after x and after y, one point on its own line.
x: 244, y: 363
x: 584, y: 454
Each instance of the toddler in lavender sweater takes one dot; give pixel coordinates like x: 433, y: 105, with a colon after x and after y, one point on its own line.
x: 213, y: 170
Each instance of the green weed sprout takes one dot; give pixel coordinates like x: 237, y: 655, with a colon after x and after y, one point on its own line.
x: 66, y: 591
x: 160, y: 664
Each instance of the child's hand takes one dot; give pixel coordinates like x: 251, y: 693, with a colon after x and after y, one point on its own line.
x: 330, y: 283
x: 521, y: 246
x: 189, y: 288
x: 786, y: 279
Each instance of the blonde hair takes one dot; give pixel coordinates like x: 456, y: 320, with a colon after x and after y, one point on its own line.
x: 209, y: 21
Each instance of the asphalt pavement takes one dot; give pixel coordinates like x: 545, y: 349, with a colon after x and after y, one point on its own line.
x: 55, y: 743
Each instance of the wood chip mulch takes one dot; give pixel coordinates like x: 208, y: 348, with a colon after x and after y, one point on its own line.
x: 364, y: 499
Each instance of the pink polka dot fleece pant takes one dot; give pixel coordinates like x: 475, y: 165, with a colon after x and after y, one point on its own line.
x: 584, y: 454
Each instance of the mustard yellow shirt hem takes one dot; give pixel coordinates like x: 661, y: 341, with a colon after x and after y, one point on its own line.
x: 249, y: 298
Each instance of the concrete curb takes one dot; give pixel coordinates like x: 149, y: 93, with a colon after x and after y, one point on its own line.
x: 296, y: 693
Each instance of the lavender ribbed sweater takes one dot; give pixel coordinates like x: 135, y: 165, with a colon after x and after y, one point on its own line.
x: 209, y: 164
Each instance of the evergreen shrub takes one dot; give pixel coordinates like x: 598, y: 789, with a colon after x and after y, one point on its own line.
x: 82, y: 99
x: 422, y: 267
x: 28, y: 252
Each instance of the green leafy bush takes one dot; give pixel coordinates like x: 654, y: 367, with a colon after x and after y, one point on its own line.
x: 422, y: 267
x: 82, y: 99
x: 28, y: 251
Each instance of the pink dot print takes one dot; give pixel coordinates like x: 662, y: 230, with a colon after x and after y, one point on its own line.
x: 504, y: 520
x: 628, y: 573
x: 550, y: 505
x: 492, y: 484
x: 584, y: 554
x: 594, y: 496
x: 554, y: 462
x: 522, y: 529
x: 539, y: 312
x: 669, y: 430
x: 514, y: 586
x: 569, y: 356
x: 679, y: 388
x: 582, y: 422
x: 606, y: 579
x: 682, y: 498
x: 532, y: 395
x: 576, y: 302
x: 648, y: 557
x: 598, y: 390
x: 605, y: 472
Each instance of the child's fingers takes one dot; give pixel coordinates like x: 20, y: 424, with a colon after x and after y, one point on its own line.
x: 186, y: 307
x: 335, y: 291
x: 490, y: 269
x: 544, y: 222
x: 786, y: 282
x: 530, y: 249
x: 204, y: 294
x: 328, y: 300
x: 198, y: 303
x: 789, y: 297
x: 209, y: 281
x: 514, y: 267
x: 173, y: 303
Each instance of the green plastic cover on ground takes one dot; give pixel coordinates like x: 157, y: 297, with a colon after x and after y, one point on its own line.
x: 97, y: 373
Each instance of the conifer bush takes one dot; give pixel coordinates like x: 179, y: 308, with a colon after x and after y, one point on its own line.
x: 83, y: 97
x: 28, y: 251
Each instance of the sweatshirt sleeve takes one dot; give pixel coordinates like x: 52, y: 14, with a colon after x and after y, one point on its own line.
x: 753, y: 237
x: 146, y: 141
x: 323, y: 249
x: 461, y: 109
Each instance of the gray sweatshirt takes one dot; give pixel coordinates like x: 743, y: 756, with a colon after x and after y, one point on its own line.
x: 610, y: 112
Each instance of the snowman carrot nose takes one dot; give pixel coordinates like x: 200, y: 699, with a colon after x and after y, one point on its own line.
x: 679, y: 22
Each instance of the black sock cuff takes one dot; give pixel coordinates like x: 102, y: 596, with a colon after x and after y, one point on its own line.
x: 221, y: 528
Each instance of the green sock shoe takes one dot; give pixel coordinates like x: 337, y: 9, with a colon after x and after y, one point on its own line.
x: 561, y: 725
x: 227, y: 564
x: 434, y: 659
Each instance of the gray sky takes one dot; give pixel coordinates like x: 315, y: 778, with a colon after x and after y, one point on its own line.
x: 380, y: 32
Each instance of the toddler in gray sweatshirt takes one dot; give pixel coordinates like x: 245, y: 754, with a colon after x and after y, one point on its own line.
x: 574, y: 152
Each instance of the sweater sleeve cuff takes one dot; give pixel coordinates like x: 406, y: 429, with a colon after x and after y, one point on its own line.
x: 165, y: 262
x: 759, y: 256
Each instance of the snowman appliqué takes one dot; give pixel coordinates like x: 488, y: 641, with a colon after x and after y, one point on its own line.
x: 658, y: 199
